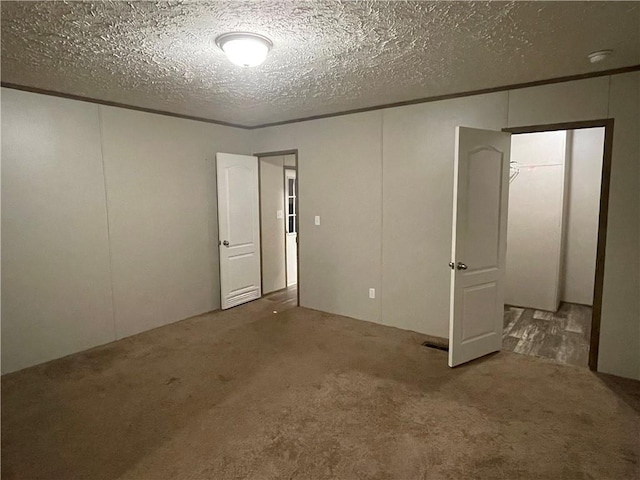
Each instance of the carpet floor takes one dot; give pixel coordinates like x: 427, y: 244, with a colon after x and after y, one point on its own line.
x: 300, y: 394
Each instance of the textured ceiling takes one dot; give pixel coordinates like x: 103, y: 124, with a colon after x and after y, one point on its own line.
x: 328, y: 56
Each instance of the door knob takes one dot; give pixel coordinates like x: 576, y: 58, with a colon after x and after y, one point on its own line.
x: 461, y: 266
x: 226, y: 244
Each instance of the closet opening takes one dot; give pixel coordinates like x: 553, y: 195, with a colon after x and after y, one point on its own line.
x: 556, y: 238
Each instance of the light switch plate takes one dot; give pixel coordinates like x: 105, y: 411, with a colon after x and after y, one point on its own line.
x: 279, y: 214
x: 372, y: 293
x: 317, y: 220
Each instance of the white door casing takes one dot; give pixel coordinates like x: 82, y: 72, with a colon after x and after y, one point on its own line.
x: 238, y: 229
x: 478, y: 253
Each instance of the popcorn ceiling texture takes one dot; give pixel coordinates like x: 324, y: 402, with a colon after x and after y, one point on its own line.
x: 328, y: 56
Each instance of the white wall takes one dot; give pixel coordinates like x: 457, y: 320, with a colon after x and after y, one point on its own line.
x: 341, y: 258
x: 392, y: 171
x: 339, y: 178
x: 417, y: 206
x: 381, y: 182
x: 56, y: 287
x: 402, y: 162
x: 583, y: 212
x: 84, y: 265
x: 289, y: 160
x: 620, y: 329
x: 272, y: 227
x: 161, y: 192
x: 535, y: 220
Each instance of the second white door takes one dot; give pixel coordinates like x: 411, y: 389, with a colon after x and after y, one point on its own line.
x: 239, y: 229
x: 478, y: 253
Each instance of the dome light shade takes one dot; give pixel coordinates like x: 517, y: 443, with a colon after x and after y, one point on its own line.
x: 244, y: 49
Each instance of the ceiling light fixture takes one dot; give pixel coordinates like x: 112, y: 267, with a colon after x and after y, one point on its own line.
x: 599, y: 56
x: 244, y: 49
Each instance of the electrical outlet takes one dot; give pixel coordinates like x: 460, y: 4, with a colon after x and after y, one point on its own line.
x: 279, y: 214
x: 372, y: 293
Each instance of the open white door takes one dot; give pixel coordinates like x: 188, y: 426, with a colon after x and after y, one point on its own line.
x: 239, y: 229
x: 478, y: 253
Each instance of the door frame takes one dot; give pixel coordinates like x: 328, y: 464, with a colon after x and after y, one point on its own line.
x: 277, y: 154
x: 607, y: 123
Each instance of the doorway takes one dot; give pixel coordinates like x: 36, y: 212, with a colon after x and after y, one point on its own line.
x: 558, y: 201
x: 278, y: 191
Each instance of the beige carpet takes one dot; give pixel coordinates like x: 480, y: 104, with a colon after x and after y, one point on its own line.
x: 305, y: 395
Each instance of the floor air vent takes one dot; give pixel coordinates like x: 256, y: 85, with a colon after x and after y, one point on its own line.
x: 437, y: 347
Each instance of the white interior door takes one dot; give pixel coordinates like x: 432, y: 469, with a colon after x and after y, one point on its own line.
x: 291, y: 227
x: 478, y: 252
x: 238, y: 229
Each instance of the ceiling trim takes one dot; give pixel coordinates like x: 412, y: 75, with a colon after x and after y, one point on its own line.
x: 107, y: 103
x: 515, y: 86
